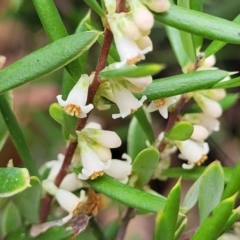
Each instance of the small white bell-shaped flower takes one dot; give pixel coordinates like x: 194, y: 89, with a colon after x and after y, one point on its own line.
x: 200, y: 133
x: 162, y: 105
x: 158, y: 5
x: 119, y: 169
x: 75, y: 105
x: 208, y: 106
x: 194, y: 152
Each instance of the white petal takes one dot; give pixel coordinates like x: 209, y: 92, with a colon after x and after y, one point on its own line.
x: 61, y: 102
x: 152, y: 107
x: 200, y: 133
x: 71, y: 183
x: 141, y: 82
x: 67, y: 200
x: 164, y: 111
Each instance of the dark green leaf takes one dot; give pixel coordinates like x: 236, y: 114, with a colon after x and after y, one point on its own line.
x: 194, y: 174
x: 145, y: 123
x: 30, y: 197
x: 200, y: 24
x: 232, y: 186
x: 210, y: 189
x: 211, y: 228
x: 93, y: 4
x: 133, y: 71
x: 232, y: 219
x: 215, y: 46
x: 167, y: 218
x: 10, y: 218
x: 183, y: 83
x: 127, y: 195
x: 46, y: 60
x: 13, y: 180
x: 136, y: 140
x: 144, y: 166
x: 17, y: 135
x: 67, y: 121
x: 234, y: 82
x: 181, y: 131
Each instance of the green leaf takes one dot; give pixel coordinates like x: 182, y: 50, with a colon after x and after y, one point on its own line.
x: 17, y: 135
x: 191, y: 196
x: 232, y: 186
x: 181, y: 131
x: 133, y: 71
x: 13, y: 180
x: 145, y: 123
x: 215, y: 46
x: 197, y: 5
x: 127, y: 195
x: 186, y: 37
x: 55, y: 29
x: 167, y: 218
x: 234, y: 82
x: 46, y: 60
x: 174, y: 37
x: 30, y: 197
x: 210, y: 189
x: 136, y: 139
x: 3, y: 131
x: 232, y: 219
x: 93, y: 4
x: 56, y: 233
x: 144, y: 166
x: 202, y: 24
x: 67, y: 121
x: 111, y: 230
x: 11, y: 218
x: 194, y: 174
x: 211, y: 228
x: 183, y: 83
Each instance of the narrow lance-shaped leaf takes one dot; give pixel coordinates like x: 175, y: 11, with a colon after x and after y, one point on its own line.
x: 17, y: 135
x: 187, y: 38
x: 145, y: 123
x: 144, y: 166
x: 133, y: 71
x: 55, y: 29
x: 127, y: 195
x: 194, y: 174
x: 234, y: 82
x: 46, y: 60
x: 232, y: 186
x: 136, y: 139
x: 212, y: 178
x: 183, y: 83
x: 215, y: 46
x: 211, y: 228
x: 167, y: 218
x: 13, y: 180
x: 202, y: 24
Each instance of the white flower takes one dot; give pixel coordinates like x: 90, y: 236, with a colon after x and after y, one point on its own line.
x: 192, y: 151
x: 210, y: 123
x: 141, y: 15
x: 214, y: 94
x: 208, y: 106
x: 128, y: 50
x: 119, y: 169
x: 92, y: 165
x: 141, y: 82
x: 126, y: 102
x: 75, y: 105
x: 162, y: 105
x: 200, y: 133
x: 71, y: 183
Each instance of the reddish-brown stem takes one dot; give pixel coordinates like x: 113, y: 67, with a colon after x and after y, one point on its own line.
x: 46, y: 201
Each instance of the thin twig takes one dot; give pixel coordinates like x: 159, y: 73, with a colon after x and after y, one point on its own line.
x: 129, y: 214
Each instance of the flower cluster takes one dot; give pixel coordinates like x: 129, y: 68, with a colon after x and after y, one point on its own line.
x: 131, y: 29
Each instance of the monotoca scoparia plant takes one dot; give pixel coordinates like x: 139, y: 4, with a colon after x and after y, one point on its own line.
x: 107, y: 175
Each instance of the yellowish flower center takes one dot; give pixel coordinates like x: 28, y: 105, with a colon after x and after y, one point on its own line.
x: 73, y: 110
x: 201, y: 160
x: 160, y: 102
x: 134, y: 60
x: 96, y: 174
